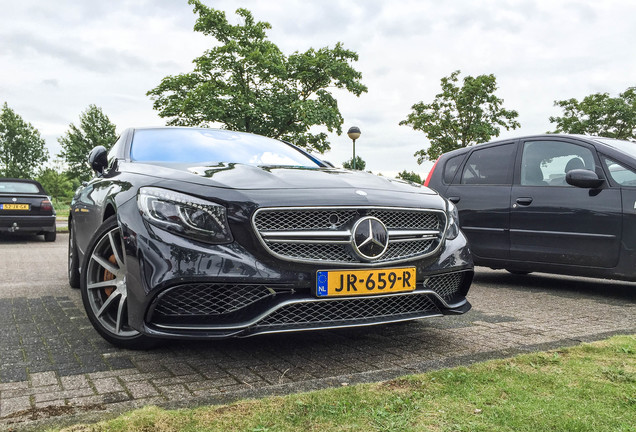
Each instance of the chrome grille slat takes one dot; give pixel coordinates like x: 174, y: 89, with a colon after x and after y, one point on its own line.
x: 323, y: 235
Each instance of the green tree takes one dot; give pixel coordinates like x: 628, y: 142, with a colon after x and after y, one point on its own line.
x: 55, y: 182
x: 599, y: 114
x: 460, y: 116
x: 22, y: 149
x: 360, y: 164
x: 245, y: 83
x: 95, y: 128
x: 410, y: 176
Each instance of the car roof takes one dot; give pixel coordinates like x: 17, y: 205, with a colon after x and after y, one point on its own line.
x: 17, y: 180
x: 201, y: 128
x: 598, y: 142
x: 177, y: 127
x: 215, y: 129
x: 587, y: 138
x: 548, y: 135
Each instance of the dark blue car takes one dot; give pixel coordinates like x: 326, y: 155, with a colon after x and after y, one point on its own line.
x: 204, y: 234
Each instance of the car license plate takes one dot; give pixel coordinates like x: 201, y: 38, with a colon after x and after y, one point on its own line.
x: 14, y: 206
x: 333, y: 283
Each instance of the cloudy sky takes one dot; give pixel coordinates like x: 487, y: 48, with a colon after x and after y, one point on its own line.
x: 58, y: 57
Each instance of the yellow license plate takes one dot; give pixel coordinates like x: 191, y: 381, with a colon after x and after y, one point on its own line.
x: 14, y: 206
x: 333, y: 283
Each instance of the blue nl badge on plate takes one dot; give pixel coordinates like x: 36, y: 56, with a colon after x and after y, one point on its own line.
x: 322, y: 284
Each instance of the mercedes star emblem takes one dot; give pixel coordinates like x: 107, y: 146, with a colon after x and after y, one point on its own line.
x: 370, y: 238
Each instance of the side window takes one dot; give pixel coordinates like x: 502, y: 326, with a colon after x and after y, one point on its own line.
x: 545, y: 163
x: 620, y: 173
x: 450, y: 168
x: 114, y: 150
x: 491, y: 166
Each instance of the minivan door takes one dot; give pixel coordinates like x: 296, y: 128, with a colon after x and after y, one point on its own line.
x: 481, y: 193
x: 555, y: 223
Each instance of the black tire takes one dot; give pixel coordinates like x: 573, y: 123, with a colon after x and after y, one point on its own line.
x: 50, y: 236
x: 104, y: 292
x: 73, y: 259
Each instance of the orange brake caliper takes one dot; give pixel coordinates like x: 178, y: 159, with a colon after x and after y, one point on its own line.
x: 109, y: 276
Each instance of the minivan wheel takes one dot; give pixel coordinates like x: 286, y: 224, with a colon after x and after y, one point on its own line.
x: 104, y: 290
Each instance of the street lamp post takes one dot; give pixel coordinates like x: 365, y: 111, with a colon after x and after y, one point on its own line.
x: 354, y: 134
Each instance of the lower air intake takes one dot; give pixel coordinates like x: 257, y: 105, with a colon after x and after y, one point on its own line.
x: 350, y: 311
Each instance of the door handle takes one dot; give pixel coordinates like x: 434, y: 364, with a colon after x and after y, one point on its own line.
x: 454, y: 199
x: 524, y: 201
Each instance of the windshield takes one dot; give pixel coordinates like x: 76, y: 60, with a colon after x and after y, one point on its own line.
x: 18, y: 187
x: 185, y: 145
x: 628, y: 147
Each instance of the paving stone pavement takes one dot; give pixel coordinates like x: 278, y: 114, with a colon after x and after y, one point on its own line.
x: 55, y: 368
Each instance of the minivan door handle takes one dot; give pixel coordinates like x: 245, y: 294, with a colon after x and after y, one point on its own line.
x: 524, y: 201
x: 454, y: 199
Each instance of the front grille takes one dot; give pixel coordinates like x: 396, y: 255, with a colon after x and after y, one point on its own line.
x: 304, y: 219
x: 343, y: 311
x: 446, y: 285
x: 313, y: 251
x: 407, y: 249
x: 208, y: 299
x: 407, y: 219
x: 324, y: 235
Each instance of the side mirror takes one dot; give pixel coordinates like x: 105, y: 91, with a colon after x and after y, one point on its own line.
x: 98, y: 159
x: 584, y: 179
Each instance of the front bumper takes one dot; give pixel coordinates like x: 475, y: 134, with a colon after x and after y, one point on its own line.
x: 298, y: 311
x: 183, y: 289
x: 27, y: 224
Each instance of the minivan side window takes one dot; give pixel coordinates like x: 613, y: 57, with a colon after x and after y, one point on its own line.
x: 545, y: 163
x: 621, y: 174
x: 490, y: 166
x: 450, y: 168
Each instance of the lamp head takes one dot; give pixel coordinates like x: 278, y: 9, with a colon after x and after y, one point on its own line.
x: 354, y: 132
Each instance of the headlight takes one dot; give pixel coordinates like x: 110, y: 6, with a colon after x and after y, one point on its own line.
x: 452, y: 229
x: 184, y: 215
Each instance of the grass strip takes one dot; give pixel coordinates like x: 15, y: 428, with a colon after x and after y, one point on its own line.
x: 590, y: 387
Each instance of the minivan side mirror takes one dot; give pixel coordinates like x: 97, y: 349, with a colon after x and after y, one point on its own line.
x: 584, y: 179
x: 98, y: 159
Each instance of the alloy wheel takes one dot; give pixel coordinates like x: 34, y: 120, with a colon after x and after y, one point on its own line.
x: 106, y: 289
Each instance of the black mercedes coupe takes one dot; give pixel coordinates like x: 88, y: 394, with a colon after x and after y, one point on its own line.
x: 197, y: 233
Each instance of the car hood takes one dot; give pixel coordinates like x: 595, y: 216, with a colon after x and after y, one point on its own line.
x: 248, y: 177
